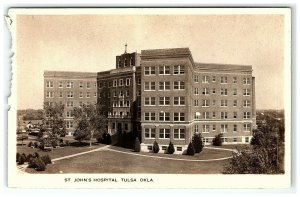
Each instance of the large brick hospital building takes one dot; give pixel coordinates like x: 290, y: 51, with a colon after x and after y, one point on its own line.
x: 163, y: 95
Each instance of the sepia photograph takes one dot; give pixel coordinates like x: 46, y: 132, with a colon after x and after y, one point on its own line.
x: 150, y: 97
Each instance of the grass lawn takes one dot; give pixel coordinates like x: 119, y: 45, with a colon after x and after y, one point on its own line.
x: 206, y: 154
x: 115, y: 162
x: 57, y: 152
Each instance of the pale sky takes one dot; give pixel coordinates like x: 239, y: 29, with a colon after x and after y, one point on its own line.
x: 90, y: 43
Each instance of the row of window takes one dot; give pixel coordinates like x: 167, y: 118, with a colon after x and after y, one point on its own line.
x: 165, y: 116
x: 223, y: 103
x: 118, y: 82
x: 223, y: 91
x: 165, y: 70
x: 150, y: 133
x: 70, y: 84
x: 223, y: 79
x: 125, y: 63
x: 70, y: 94
x: 223, y: 115
x: 206, y: 128
x: 164, y: 85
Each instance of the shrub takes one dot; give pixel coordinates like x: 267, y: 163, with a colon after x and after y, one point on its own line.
x: 24, y: 155
x: 29, y: 157
x: 217, y: 141
x: 54, y: 144
x: 67, y: 143
x: 30, y: 144
x: 21, y: 160
x: 46, y: 159
x: 104, y: 139
x: 18, y: 155
x: 190, y: 149
x: 36, y: 155
x: 41, y: 146
x: 40, y: 165
x: 137, y: 145
x: 171, y: 148
x: 155, y: 147
x: 197, y: 142
x: 36, y: 145
x: 32, y: 163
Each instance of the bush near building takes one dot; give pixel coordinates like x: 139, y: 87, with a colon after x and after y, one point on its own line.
x: 217, y: 141
x: 155, y: 147
x: 171, y: 148
x: 190, y: 149
x: 197, y: 142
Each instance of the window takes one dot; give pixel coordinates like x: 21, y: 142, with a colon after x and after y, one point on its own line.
x: 131, y: 61
x: 69, y: 124
x: 205, y: 103
x: 214, y: 103
x: 127, y: 93
x: 121, y: 94
x: 224, y: 115
x: 149, y: 147
x: 149, y: 70
x: 70, y: 114
x: 121, y: 82
x: 70, y: 104
x: 179, y: 101
x: 127, y: 103
x: 164, y: 100
x: 214, y: 90
x: 196, y: 103
x: 246, y: 139
x: 150, y: 133
x: 149, y: 116
x: 178, y: 70
x: 234, y: 92
x: 125, y: 62
x: 126, y: 126
x: 128, y: 82
x: 60, y: 85
x: 119, y: 63
x: 88, y: 85
x: 196, y: 91
x: 224, y: 103
x: 223, y: 79
x: 115, y: 94
x: 247, y: 103
x: 246, y: 92
x: 179, y: 148
x: 178, y: 117
x: 139, y: 92
x: 163, y: 147
x: 70, y: 84
x: 246, y: 81
x: 214, y: 114
x: 80, y: 95
x: 214, y: 127
x: 115, y: 83
x: 164, y: 70
x: 234, y: 128
x: 247, y: 127
x: 109, y: 84
x: 235, y: 115
x: 88, y: 94
x: 139, y: 81
x: 61, y: 95
x: 149, y: 101
x: 95, y: 94
x: 179, y: 133
x: 213, y: 78
x: 234, y: 80
x: 49, y: 94
x: 95, y: 85
x: 196, y: 78
x: 179, y: 85
x: 205, y: 79
x: 49, y: 84
x: 247, y: 115
x: 205, y: 115
x: 70, y: 95
x: 205, y: 91
x: 197, y: 115
x: 235, y: 139
x: 164, y: 133
x: 196, y: 128
x: 164, y: 116
x: 164, y: 85
x: 224, y: 92
x: 205, y: 128
x: 223, y: 128
x: 80, y: 104
x: 234, y: 103
x: 150, y: 85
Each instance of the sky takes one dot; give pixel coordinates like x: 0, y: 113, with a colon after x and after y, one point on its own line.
x: 90, y: 43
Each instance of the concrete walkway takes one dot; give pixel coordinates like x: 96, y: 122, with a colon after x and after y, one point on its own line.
x: 178, y: 159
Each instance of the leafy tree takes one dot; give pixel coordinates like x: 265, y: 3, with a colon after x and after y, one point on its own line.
x: 155, y: 147
x: 137, y: 145
x: 197, y: 142
x: 190, y: 149
x: 217, y: 141
x: 90, y: 123
x: 171, y: 148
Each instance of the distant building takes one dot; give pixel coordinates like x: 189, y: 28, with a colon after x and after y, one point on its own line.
x: 163, y: 95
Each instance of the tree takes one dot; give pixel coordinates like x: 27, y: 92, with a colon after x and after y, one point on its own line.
x: 137, y: 145
x: 90, y: 122
x: 190, y: 150
x: 217, y: 141
x: 197, y: 142
x: 171, y: 148
x: 54, y: 121
x: 155, y: 147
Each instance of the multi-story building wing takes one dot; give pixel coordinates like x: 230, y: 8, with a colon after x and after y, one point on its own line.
x: 72, y: 89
